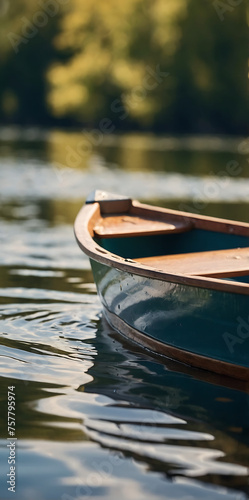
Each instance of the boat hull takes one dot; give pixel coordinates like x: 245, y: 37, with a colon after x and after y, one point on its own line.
x: 201, y: 327
x: 175, y: 282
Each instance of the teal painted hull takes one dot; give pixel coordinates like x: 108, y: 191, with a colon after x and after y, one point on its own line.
x: 176, y: 283
x: 201, y: 321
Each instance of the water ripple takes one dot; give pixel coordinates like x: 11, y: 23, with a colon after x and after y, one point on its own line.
x: 40, y: 181
x: 96, y: 416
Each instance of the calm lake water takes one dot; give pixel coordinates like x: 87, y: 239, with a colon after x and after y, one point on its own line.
x: 97, y: 417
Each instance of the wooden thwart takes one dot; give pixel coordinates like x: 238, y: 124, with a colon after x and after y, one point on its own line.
x: 131, y: 225
x: 92, y: 222
x: 216, y: 263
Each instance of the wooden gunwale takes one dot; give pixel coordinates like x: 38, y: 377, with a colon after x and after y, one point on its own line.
x: 90, y: 215
x: 200, y: 221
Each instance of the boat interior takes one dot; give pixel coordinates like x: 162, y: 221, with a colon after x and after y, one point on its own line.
x: 176, y: 244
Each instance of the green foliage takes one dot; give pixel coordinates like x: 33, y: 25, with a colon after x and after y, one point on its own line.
x: 169, y: 66
x: 118, y: 47
x: 27, y: 32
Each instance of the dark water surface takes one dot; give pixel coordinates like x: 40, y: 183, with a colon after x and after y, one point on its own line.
x: 95, y: 416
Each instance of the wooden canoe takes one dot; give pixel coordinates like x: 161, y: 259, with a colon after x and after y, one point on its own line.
x: 175, y: 282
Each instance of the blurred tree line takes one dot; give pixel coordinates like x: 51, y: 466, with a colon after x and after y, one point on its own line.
x: 164, y: 65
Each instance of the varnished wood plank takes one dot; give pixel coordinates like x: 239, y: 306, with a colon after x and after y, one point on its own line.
x: 199, y: 221
x: 130, y: 225
x: 219, y: 263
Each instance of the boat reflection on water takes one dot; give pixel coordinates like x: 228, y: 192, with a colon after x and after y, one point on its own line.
x: 179, y: 421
